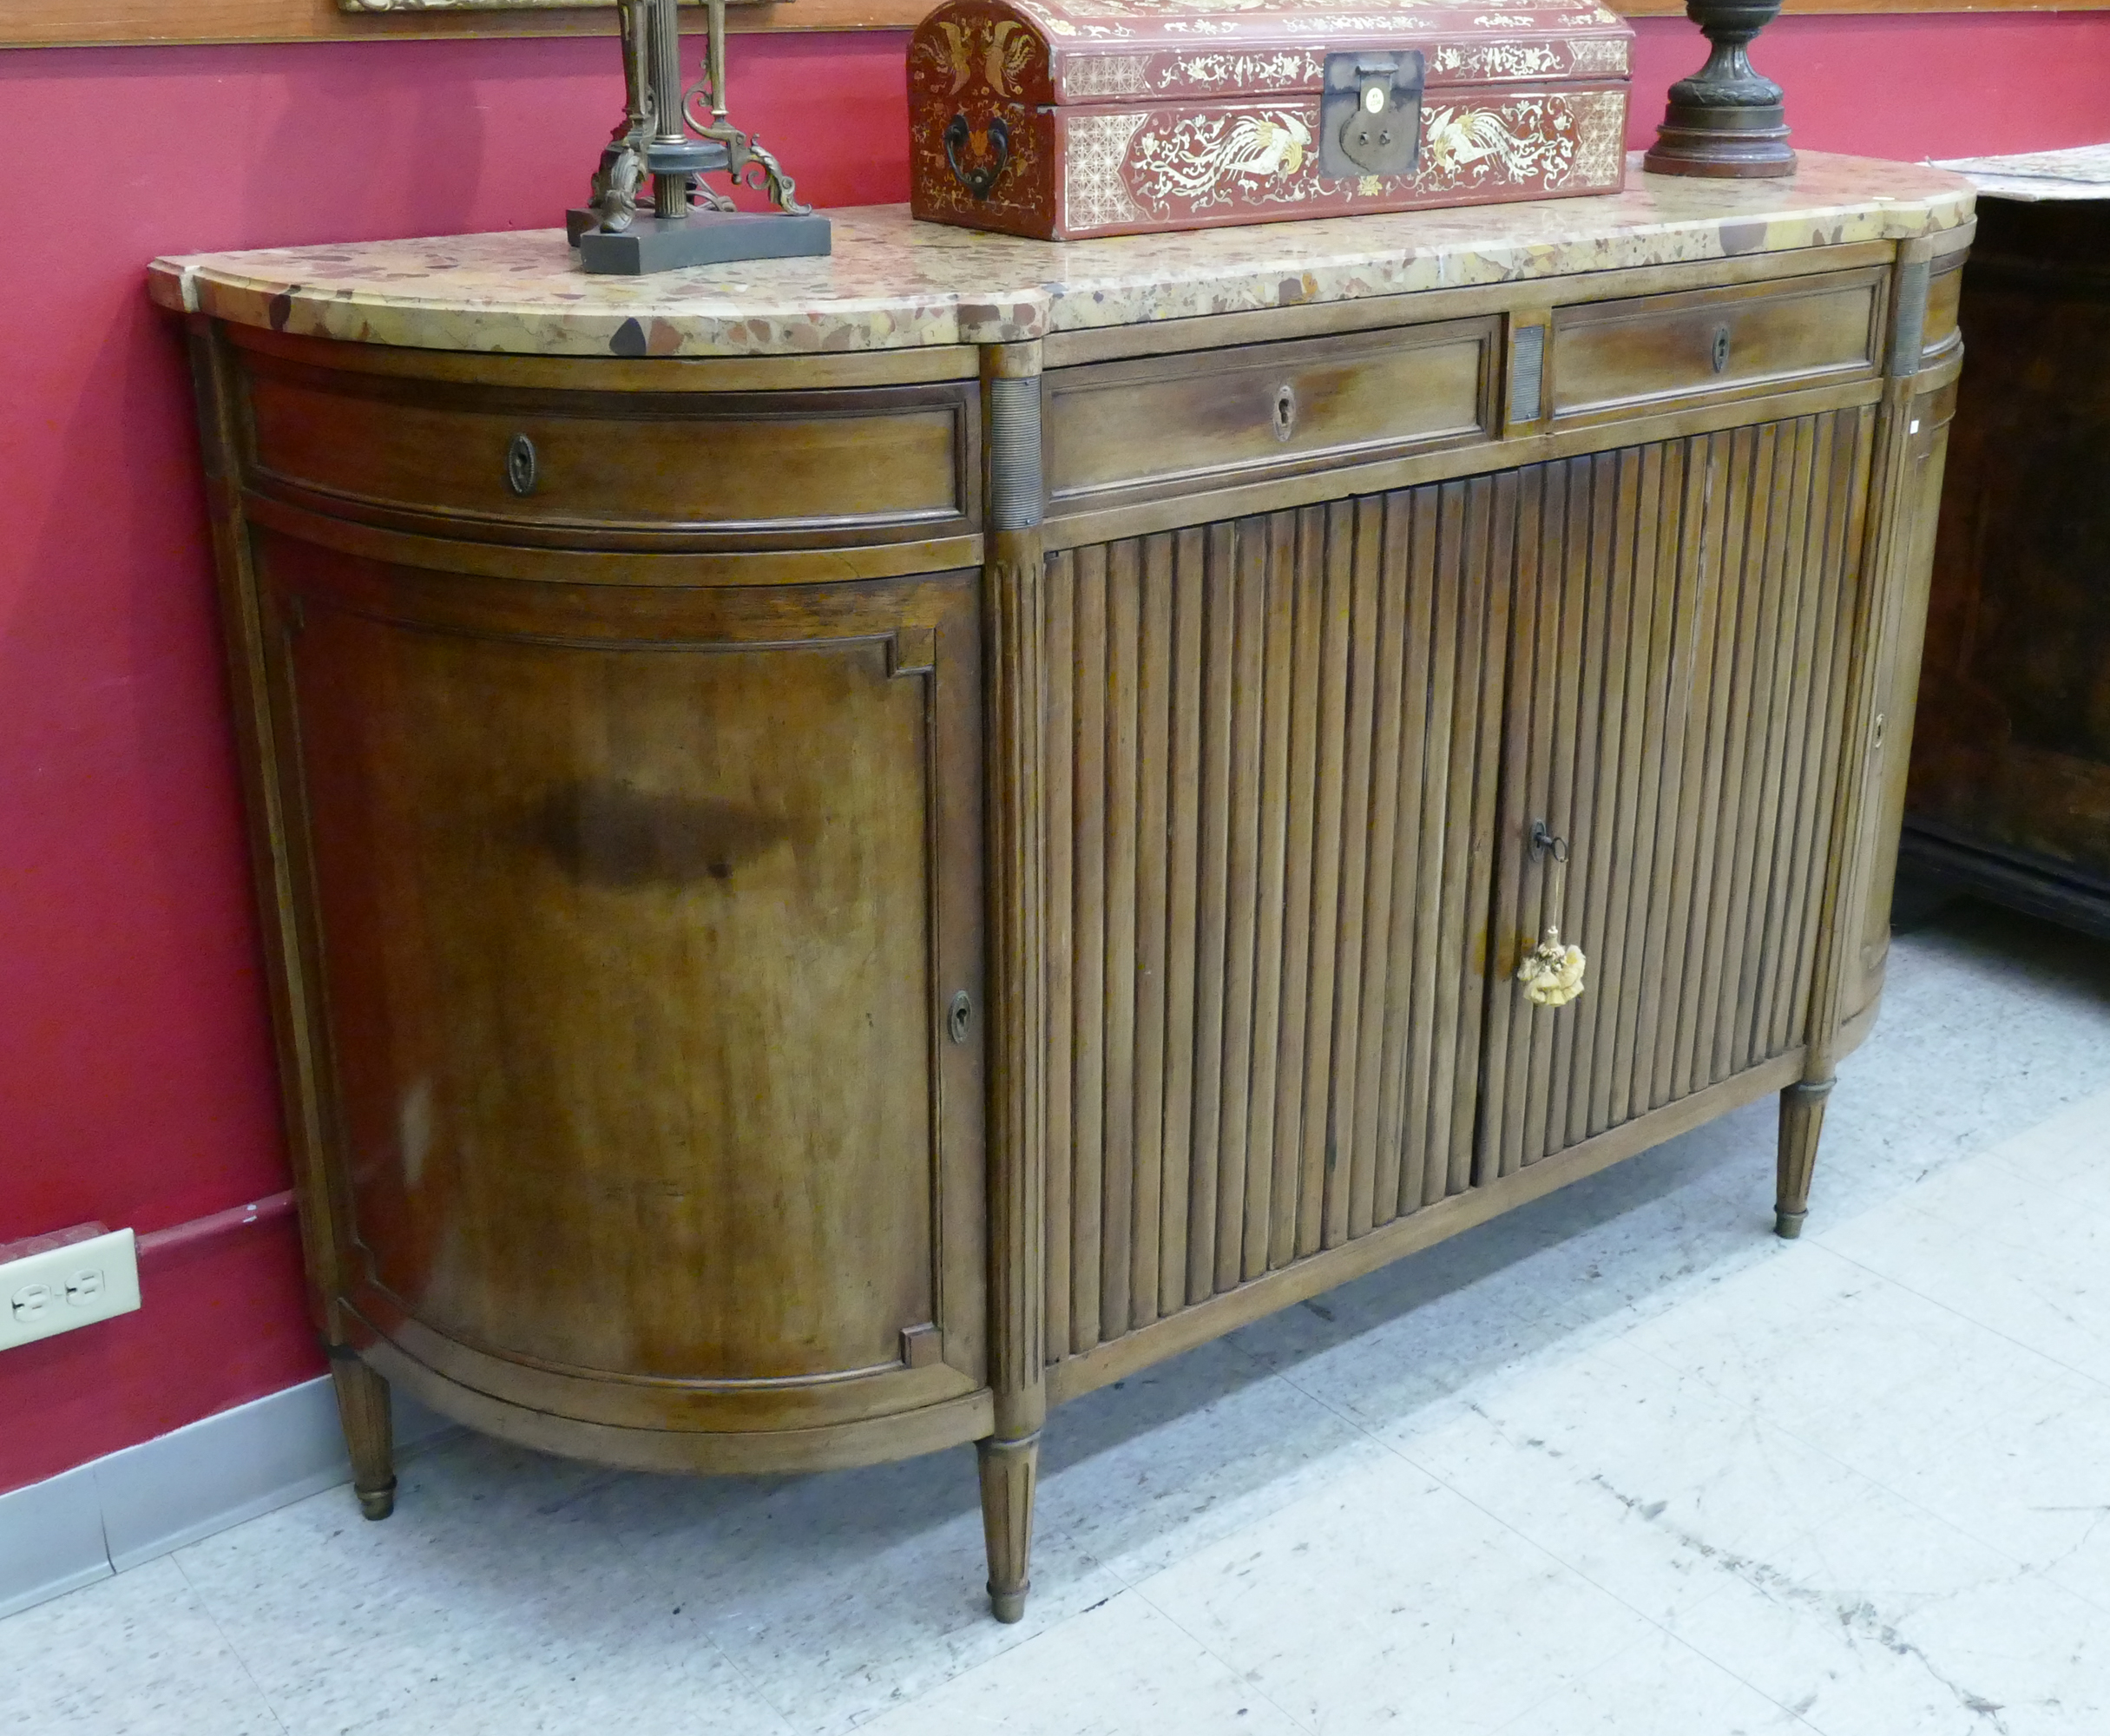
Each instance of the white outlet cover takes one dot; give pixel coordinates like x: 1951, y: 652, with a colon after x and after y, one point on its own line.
x: 77, y: 1285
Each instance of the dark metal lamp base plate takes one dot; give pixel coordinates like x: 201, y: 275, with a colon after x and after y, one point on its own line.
x: 704, y: 238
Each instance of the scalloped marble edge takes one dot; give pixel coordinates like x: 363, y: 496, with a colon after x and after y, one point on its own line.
x: 888, y: 284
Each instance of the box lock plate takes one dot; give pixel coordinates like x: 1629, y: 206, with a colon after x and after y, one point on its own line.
x: 1369, y: 113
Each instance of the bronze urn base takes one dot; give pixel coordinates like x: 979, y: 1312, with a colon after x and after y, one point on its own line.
x: 1727, y: 119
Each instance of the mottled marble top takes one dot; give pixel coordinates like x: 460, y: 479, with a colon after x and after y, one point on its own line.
x: 894, y: 283
x: 2081, y: 173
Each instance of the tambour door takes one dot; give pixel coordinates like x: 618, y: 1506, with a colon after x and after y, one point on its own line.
x: 639, y: 919
x: 1270, y: 785
x: 1678, y: 670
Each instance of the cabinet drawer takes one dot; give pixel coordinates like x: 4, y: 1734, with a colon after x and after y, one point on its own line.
x: 1944, y: 301
x: 856, y: 465
x: 1651, y: 350
x: 1131, y: 429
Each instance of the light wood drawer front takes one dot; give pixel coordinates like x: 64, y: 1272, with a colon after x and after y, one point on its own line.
x: 1614, y: 356
x: 1139, y: 427
x: 1944, y: 298
x: 854, y: 464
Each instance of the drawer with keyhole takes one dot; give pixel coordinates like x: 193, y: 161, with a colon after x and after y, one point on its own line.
x: 1645, y: 352
x: 1133, y: 430
x: 568, y: 463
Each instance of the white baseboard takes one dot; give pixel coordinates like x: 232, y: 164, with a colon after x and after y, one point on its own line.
x: 115, y: 1512
x: 50, y: 1539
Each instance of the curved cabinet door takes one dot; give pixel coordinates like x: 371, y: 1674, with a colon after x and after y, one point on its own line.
x: 1901, y: 639
x: 644, y: 949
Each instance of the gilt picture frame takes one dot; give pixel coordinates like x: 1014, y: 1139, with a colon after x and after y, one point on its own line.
x: 84, y: 23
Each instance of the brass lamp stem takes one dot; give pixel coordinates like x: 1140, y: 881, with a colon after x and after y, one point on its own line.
x: 715, y: 64
x: 669, y: 192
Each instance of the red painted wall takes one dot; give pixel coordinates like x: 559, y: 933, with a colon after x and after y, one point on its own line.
x: 135, y: 1082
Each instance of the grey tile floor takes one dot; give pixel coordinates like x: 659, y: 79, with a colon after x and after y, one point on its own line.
x: 1619, y: 1462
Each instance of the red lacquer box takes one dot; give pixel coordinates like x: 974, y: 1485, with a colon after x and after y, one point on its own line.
x: 1069, y: 118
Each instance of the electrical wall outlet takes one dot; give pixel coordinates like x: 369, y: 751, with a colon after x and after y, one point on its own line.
x: 74, y: 1284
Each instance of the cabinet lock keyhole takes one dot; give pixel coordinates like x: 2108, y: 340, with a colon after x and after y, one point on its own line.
x: 1285, y: 413
x: 958, y: 1016
x: 520, y: 465
x: 1720, y: 354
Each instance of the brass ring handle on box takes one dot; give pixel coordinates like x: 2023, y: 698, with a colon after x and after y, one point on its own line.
x: 978, y: 181
x: 1552, y: 973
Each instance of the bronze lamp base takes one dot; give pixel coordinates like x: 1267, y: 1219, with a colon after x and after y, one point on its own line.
x: 1727, y: 119
x: 666, y: 140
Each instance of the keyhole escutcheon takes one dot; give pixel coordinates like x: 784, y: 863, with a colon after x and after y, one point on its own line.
x: 1285, y: 412
x: 958, y: 1016
x: 1721, y: 356
x: 520, y: 465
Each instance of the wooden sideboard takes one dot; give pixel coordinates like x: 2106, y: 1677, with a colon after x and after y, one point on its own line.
x: 852, y: 850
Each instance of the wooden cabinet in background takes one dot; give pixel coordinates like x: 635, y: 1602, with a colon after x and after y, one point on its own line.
x: 821, y: 904
x: 2010, y: 791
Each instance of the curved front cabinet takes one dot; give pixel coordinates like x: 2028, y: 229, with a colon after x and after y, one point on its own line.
x: 644, y: 953
x: 777, y: 966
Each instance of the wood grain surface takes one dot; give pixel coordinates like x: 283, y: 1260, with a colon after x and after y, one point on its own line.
x: 1671, y: 684
x: 1662, y: 350
x: 49, y: 23
x: 1271, y: 779
x: 1300, y: 405
x: 743, y: 836
x: 54, y: 23
x: 2010, y: 771
x: 641, y: 470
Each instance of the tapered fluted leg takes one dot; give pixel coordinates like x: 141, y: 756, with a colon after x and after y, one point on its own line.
x: 1008, y: 1470
x: 362, y: 1407
x: 1802, y: 1119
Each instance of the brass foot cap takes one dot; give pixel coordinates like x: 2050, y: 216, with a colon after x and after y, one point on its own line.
x: 1788, y: 1225
x: 1009, y: 1606
x: 378, y: 1503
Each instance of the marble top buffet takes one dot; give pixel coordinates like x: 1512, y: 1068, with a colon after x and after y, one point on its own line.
x: 853, y: 848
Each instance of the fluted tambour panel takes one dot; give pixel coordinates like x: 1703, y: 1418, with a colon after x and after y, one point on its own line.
x: 1271, y: 779
x: 1683, y: 620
